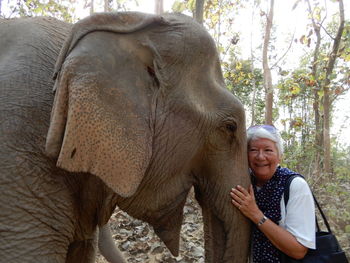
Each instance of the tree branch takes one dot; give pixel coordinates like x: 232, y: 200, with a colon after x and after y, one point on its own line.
x: 285, y: 53
x: 325, y: 30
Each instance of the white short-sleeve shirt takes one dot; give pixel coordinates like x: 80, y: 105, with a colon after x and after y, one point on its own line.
x: 299, y: 217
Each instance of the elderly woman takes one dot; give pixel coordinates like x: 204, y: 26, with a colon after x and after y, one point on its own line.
x: 277, y: 228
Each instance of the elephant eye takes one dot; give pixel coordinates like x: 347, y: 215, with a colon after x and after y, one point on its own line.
x: 231, y: 127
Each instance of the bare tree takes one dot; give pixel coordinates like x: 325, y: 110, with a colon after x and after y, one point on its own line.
x: 92, y: 7
x: 267, y: 71
x: 199, y: 11
x: 326, y: 101
x: 159, y: 7
x: 106, y: 7
x: 252, y: 70
x: 317, y: 86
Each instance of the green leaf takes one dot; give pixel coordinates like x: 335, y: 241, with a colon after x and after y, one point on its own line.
x: 178, y: 6
x: 284, y: 73
x: 295, y: 89
x: 38, y: 10
x: 347, y: 57
x: 347, y: 229
x: 333, y: 76
x: 320, y: 93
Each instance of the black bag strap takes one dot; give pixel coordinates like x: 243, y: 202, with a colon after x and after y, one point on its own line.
x: 286, y: 188
x: 286, y: 198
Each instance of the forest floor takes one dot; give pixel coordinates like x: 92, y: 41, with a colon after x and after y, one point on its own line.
x: 138, y: 242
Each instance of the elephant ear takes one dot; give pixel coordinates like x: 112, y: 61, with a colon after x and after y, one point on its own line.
x: 101, y: 116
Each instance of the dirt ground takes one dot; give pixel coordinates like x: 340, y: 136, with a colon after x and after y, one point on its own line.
x: 139, y: 243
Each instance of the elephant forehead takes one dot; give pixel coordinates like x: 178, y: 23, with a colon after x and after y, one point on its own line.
x: 219, y: 103
x: 180, y: 41
x: 192, y: 32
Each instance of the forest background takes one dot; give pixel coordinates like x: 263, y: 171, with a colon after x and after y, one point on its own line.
x: 287, y: 61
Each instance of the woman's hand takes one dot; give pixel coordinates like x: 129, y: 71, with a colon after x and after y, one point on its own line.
x: 245, y: 201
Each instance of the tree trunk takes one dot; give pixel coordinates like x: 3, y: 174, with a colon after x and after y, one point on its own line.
x: 106, y: 6
x: 92, y: 7
x: 199, y: 11
x: 327, y: 102
x: 316, y: 99
x: 253, y: 121
x: 267, y: 72
x: 252, y: 70
x: 159, y: 7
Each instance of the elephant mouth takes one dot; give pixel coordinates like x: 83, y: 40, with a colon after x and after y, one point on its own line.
x: 168, y: 222
x: 167, y: 225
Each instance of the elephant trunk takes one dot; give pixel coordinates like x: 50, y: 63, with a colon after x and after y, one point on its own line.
x: 225, y: 240
x: 226, y: 229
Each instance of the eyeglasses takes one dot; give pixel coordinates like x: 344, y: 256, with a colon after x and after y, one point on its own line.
x: 269, y: 128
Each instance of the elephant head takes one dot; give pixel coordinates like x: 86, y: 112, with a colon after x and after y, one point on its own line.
x: 141, y: 103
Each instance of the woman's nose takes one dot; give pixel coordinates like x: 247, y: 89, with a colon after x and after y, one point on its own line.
x: 260, y: 155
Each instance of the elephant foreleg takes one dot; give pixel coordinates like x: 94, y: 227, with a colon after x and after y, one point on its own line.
x: 107, y: 246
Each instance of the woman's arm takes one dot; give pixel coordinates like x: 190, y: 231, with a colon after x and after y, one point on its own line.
x: 283, y: 240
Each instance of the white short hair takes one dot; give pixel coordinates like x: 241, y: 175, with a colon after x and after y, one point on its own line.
x: 262, y: 133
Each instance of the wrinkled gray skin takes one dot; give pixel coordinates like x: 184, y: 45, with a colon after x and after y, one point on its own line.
x: 29, y: 49
x: 139, y: 115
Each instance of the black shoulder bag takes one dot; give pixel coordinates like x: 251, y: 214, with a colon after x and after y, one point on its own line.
x: 327, y: 246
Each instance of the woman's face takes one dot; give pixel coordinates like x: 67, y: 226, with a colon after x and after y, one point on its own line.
x: 263, y: 159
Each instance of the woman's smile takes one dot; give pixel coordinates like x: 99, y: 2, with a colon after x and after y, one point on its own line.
x: 263, y: 159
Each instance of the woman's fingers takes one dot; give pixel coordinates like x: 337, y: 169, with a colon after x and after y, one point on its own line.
x: 235, y: 196
x: 239, y: 191
x: 243, y: 190
x: 244, y: 200
x: 251, y: 192
x: 239, y: 203
x: 235, y: 203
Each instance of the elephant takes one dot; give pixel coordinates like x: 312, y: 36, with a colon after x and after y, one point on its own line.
x: 120, y: 109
